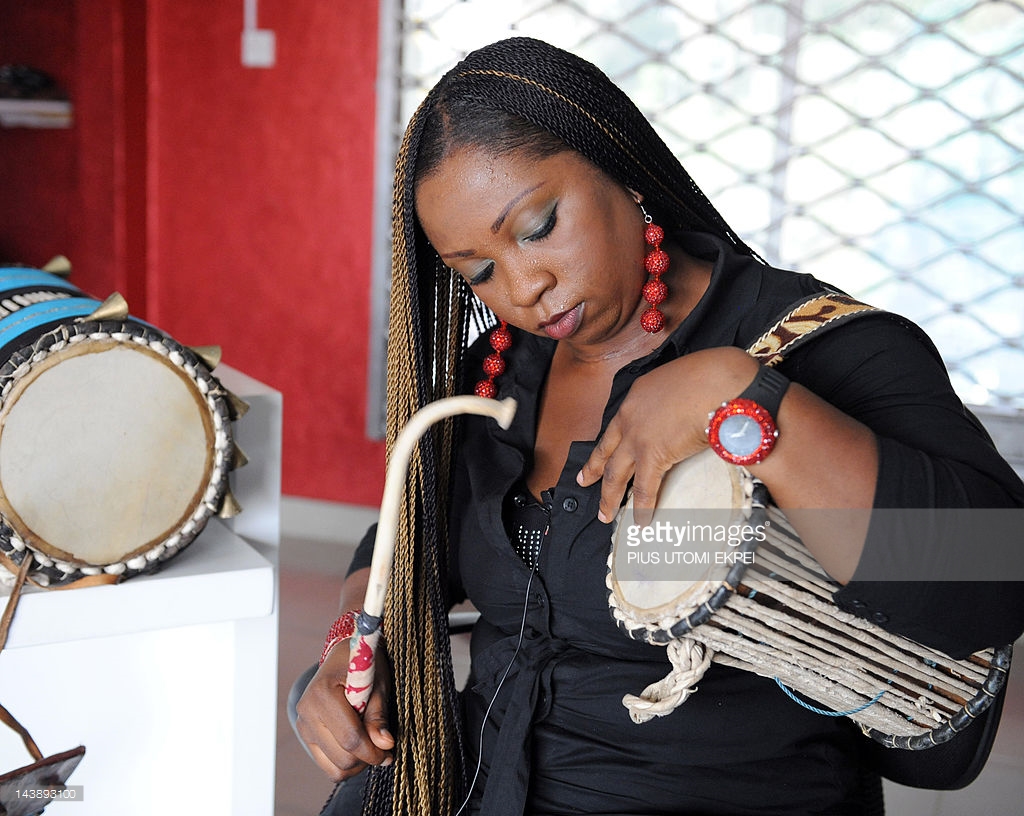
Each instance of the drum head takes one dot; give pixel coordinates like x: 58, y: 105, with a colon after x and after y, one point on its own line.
x: 106, y: 448
x: 686, y: 554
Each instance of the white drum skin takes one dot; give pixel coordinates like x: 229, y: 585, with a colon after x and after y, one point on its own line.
x: 701, y: 483
x: 105, y: 450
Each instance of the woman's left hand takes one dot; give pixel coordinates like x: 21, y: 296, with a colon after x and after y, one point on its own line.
x: 661, y: 422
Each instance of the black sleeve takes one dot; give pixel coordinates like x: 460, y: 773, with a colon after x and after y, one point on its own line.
x: 363, y: 555
x: 933, y: 454
x: 884, y: 372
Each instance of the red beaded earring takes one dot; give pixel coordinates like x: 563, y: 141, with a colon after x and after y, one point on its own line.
x: 656, y: 263
x: 494, y: 365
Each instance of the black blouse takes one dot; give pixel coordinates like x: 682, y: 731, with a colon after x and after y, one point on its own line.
x: 558, y: 739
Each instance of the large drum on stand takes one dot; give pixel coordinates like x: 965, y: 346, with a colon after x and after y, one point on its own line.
x: 115, y: 439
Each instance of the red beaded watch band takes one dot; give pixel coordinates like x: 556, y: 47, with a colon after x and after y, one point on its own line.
x: 341, y: 630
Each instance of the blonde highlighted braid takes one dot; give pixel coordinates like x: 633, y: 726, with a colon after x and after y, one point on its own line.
x: 536, y: 95
x: 427, y: 772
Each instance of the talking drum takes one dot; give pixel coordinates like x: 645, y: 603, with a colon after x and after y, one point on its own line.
x: 749, y: 595
x: 115, y: 440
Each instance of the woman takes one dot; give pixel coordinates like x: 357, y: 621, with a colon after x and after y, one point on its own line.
x: 527, y: 182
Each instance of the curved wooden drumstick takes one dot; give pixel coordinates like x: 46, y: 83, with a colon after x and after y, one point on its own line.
x: 364, y: 642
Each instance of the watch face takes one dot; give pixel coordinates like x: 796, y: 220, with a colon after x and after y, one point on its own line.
x: 742, y: 432
x: 740, y: 435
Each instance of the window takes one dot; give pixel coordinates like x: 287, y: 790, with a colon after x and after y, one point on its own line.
x: 876, y: 144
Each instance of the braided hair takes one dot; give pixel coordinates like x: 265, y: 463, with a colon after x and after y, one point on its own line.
x: 518, y: 94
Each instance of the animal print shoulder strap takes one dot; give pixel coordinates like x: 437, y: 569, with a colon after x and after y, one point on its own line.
x: 803, y: 321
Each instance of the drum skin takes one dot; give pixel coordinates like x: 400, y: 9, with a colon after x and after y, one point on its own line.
x: 115, y: 439
x: 703, y: 486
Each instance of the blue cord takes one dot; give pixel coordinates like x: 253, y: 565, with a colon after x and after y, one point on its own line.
x: 822, y: 711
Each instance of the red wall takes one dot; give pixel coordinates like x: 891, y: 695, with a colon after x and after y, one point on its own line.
x: 37, y: 167
x: 231, y: 205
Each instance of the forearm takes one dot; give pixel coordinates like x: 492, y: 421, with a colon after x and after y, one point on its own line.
x: 823, y: 461
x: 822, y: 472
x: 353, y: 590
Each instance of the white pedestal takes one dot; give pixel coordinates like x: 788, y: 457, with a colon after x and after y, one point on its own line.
x: 168, y: 680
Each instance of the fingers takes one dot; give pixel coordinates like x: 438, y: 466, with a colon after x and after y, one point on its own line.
x: 375, y: 717
x: 375, y: 720
x: 339, y: 741
x: 594, y: 468
x: 647, y: 476
x: 610, y: 463
x: 616, y: 470
x: 645, y: 497
x: 618, y: 460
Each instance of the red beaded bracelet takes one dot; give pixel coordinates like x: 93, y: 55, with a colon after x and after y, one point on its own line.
x: 342, y: 629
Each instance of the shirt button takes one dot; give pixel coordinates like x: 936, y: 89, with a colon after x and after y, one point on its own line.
x: 570, y: 504
x: 858, y: 604
x: 879, y: 617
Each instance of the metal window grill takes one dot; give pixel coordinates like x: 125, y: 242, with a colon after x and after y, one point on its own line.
x: 876, y: 144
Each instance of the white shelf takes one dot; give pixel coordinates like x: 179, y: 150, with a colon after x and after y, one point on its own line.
x: 35, y: 113
x: 218, y: 577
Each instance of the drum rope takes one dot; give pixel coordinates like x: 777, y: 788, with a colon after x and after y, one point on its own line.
x: 845, y: 690
x: 690, y: 660
x: 793, y: 553
x: 965, y: 681
x: 822, y: 652
x: 964, y: 671
x: 811, y: 671
x: 804, y: 669
x: 824, y: 712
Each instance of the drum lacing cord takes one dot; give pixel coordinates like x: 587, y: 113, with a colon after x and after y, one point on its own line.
x: 690, y: 660
x: 824, y: 711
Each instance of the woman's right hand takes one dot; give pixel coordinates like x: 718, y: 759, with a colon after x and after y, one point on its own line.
x: 340, y: 741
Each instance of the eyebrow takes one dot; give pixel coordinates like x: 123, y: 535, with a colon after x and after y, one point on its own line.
x: 462, y: 253
x: 468, y: 253
x: 508, y: 207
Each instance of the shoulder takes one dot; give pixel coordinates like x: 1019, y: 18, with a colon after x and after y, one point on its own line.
x: 876, y: 367
x: 891, y: 346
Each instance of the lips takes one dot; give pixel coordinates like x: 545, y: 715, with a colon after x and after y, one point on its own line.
x: 562, y: 325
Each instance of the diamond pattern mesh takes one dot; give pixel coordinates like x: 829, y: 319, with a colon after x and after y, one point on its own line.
x: 876, y: 144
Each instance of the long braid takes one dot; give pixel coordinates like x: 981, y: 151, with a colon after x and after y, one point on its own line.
x: 427, y: 772
x: 431, y: 314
